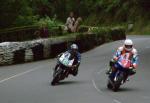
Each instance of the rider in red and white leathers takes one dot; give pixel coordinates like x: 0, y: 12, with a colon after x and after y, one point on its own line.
x: 129, y: 52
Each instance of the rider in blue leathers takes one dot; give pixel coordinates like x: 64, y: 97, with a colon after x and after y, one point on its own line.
x: 74, y: 54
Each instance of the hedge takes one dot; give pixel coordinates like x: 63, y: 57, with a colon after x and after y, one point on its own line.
x: 27, y: 33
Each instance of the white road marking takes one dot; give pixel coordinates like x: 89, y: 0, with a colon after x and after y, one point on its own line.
x: 94, y: 84
x: 100, y: 71
x: 116, y: 101
x: 20, y: 74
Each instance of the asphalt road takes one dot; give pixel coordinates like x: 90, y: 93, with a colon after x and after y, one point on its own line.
x: 30, y: 82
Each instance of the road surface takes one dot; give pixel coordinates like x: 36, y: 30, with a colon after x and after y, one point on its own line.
x: 30, y: 82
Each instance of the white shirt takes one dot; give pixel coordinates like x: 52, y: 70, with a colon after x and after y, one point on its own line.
x: 69, y: 22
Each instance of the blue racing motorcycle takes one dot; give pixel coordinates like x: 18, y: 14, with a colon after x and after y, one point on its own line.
x: 119, y: 74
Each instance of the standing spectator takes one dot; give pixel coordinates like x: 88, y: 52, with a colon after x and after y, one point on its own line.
x: 76, y: 25
x: 70, y: 22
x: 72, y: 25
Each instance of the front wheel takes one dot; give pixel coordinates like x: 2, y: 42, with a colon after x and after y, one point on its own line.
x: 117, y: 83
x: 116, y: 87
x: 55, y: 80
x: 56, y: 76
x: 109, y: 85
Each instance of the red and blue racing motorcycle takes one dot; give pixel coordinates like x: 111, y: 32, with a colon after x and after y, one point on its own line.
x: 122, y: 69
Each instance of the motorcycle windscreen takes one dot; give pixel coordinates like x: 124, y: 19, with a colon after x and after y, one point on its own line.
x: 64, y: 59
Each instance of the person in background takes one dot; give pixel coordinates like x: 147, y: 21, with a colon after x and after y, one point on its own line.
x: 72, y: 25
x: 44, y: 31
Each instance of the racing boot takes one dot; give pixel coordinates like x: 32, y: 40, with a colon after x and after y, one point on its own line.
x: 74, y: 71
x: 109, y: 71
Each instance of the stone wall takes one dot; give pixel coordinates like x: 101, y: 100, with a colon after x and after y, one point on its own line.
x: 20, y: 52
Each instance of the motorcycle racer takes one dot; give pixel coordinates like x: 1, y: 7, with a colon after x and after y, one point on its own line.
x: 129, y: 53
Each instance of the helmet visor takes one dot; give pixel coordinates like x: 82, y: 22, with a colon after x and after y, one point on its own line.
x: 128, y: 46
x: 74, y: 50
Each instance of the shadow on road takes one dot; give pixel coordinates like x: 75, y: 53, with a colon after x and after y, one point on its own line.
x: 128, y: 89
x: 121, y: 89
x: 70, y: 82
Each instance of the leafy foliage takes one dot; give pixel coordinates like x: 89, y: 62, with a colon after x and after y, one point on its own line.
x: 93, y: 12
x: 48, y: 22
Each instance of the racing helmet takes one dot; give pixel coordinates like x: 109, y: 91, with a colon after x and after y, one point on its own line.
x: 128, y: 44
x: 74, y: 47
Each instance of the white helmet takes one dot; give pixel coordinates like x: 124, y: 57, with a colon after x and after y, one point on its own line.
x: 74, y: 46
x: 128, y: 44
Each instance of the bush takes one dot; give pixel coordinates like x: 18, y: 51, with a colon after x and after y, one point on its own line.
x: 53, y: 26
x: 104, y: 32
x: 48, y: 22
x: 26, y: 20
x: 18, y: 33
x: 117, y: 33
